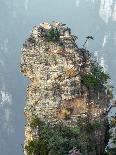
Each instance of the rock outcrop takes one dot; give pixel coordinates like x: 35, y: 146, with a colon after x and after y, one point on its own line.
x: 58, y: 90
x: 111, y: 147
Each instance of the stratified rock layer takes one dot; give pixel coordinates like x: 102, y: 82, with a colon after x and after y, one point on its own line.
x: 54, y: 68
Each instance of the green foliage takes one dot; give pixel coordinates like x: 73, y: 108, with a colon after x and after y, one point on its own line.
x: 56, y: 138
x: 99, y: 73
x: 90, y: 81
x: 35, y: 122
x: 75, y: 130
x: 96, y: 125
x: 53, y: 34
x: 97, y: 79
x: 37, y: 147
x: 87, y: 129
x: 60, y: 138
x: 84, y: 124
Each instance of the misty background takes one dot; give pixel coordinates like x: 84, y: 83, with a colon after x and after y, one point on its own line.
x: 17, y: 17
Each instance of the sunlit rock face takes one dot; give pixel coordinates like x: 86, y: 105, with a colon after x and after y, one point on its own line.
x: 54, y: 65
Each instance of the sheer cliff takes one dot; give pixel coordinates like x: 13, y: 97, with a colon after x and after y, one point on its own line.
x: 67, y: 96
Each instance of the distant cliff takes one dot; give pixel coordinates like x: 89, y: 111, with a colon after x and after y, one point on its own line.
x: 68, y: 95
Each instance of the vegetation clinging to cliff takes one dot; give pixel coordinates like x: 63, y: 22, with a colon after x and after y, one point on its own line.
x: 97, y: 78
x: 53, y: 34
x: 60, y: 139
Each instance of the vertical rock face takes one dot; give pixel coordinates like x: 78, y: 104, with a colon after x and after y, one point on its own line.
x: 55, y: 67
x: 111, y: 147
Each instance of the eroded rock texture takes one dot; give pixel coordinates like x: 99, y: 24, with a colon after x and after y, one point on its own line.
x: 55, y: 66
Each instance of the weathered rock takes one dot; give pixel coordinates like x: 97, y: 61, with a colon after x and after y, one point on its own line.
x: 112, y: 131
x: 55, y: 69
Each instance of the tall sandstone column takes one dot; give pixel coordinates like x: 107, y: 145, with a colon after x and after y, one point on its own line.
x: 54, y: 65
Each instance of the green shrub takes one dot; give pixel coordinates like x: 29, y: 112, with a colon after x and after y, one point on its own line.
x: 36, y: 122
x: 90, y: 81
x: 37, y: 147
x: 60, y: 138
x: 57, y: 138
x: 87, y: 129
x: 99, y: 73
x: 96, y: 125
x: 97, y: 79
x: 53, y: 34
